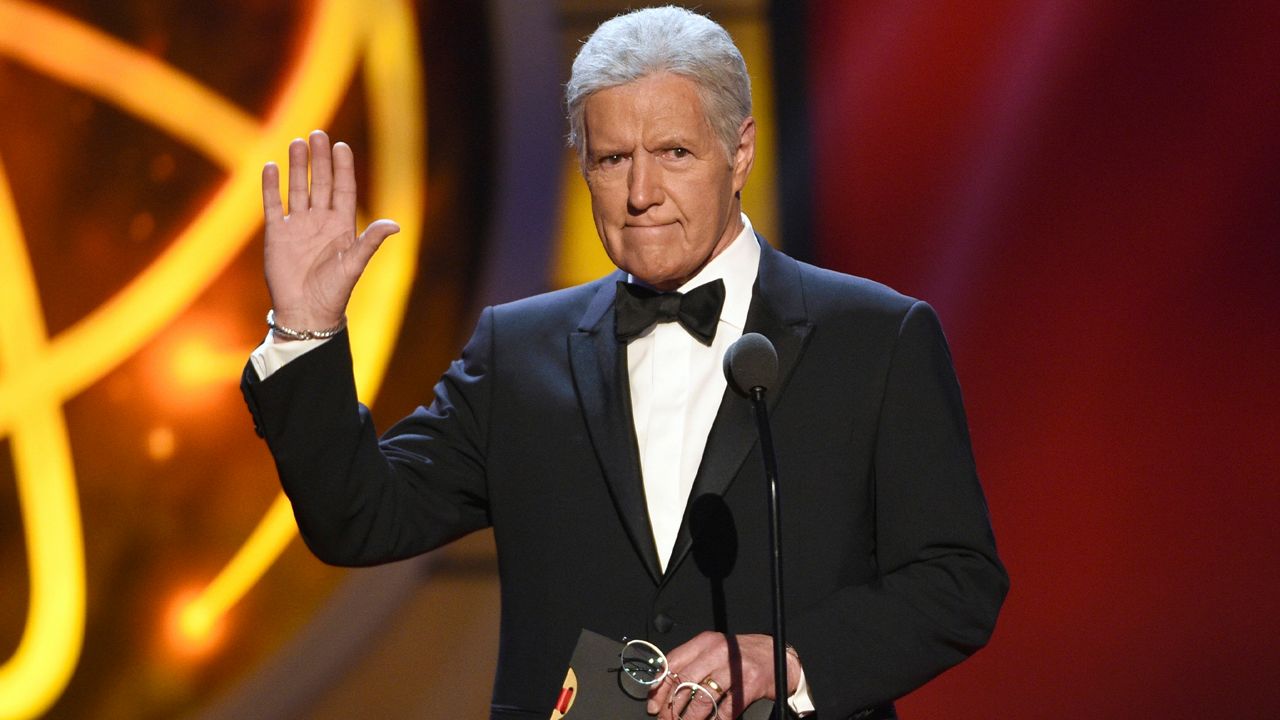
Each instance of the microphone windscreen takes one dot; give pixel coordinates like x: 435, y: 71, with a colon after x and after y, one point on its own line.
x: 751, y: 362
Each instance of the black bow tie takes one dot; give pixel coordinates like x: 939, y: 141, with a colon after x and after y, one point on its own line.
x: 637, y: 308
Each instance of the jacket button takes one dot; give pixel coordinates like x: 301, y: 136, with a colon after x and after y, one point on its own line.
x: 663, y: 623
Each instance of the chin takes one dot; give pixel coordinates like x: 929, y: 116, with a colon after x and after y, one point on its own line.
x: 668, y: 280
x: 646, y: 266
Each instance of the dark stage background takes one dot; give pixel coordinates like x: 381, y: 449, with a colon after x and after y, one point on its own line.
x: 1086, y: 190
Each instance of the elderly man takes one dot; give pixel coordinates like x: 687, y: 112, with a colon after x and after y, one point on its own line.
x: 591, y: 427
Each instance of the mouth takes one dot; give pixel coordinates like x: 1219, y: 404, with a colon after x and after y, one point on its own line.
x: 649, y: 234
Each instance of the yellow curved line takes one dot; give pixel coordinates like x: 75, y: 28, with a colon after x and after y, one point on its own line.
x: 268, y: 540
x: 87, y: 58
x: 393, y: 76
x: 100, y: 341
x: 40, y: 375
x: 394, y: 82
x: 50, y: 644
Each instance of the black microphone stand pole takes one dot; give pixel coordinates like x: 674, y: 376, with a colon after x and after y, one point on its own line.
x: 775, y: 543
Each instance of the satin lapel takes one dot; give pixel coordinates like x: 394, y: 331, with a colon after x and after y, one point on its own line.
x: 600, y: 378
x: 777, y: 312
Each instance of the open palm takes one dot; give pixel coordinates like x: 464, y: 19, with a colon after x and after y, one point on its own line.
x: 312, y: 256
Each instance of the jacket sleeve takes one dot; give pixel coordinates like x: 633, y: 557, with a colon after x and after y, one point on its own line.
x: 939, y: 583
x: 359, y: 500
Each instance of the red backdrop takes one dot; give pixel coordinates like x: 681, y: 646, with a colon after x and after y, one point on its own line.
x: 1088, y: 192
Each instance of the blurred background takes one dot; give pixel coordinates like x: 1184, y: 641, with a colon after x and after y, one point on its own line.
x: 1088, y: 191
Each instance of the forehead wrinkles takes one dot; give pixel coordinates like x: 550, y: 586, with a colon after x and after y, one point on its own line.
x: 652, y: 111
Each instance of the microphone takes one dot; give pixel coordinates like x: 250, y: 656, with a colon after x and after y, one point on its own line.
x: 751, y: 367
x: 751, y: 363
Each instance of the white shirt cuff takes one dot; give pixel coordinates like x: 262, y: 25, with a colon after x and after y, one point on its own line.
x: 270, y: 356
x: 800, y: 702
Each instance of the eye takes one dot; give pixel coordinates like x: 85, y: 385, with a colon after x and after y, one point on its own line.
x: 610, y: 160
x: 678, y: 152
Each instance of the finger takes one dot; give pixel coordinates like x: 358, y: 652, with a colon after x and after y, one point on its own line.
x: 670, y: 702
x: 734, y: 702
x: 371, y: 239
x: 692, y: 660
x: 691, y: 704
x: 344, y: 180
x: 657, y: 702
x: 321, y: 169
x: 298, y: 176
x: 660, y: 696
x: 271, y: 210
x: 729, y: 707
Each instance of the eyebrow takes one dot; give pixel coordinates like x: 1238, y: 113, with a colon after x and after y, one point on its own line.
x: 673, y: 140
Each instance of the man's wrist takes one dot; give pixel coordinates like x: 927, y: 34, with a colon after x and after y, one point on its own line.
x: 274, y: 354
x: 800, y: 701
x: 795, y: 669
x: 286, y: 333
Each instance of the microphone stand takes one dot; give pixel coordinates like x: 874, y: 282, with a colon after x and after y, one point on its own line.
x: 775, y: 542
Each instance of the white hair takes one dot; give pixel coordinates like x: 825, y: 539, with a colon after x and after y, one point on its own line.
x: 663, y: 39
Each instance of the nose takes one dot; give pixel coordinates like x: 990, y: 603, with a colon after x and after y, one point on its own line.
x: 644, y: 183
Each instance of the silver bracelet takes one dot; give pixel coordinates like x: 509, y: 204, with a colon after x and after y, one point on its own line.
x: 291, y: 334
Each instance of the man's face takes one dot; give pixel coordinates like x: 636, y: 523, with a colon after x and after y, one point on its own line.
x: 662, y: 188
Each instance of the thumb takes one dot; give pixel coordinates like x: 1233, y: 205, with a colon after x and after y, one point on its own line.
x: 371, y: 239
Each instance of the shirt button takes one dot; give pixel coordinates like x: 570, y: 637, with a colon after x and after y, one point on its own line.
x: 663, y: 623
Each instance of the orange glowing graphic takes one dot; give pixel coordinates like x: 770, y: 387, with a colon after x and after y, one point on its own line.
x: 39, y: 373
x: 190, y: 634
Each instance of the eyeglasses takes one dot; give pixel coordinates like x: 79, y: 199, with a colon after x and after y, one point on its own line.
x: 644, y: 663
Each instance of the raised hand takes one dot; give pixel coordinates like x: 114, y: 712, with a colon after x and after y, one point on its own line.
x: 313, y: 256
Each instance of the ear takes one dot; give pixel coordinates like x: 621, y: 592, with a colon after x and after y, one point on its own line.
x: 745, y: 156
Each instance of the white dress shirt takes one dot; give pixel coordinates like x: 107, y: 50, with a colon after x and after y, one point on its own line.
x: 676, y: 386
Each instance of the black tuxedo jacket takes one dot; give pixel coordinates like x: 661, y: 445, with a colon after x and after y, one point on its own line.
x: 891, y: 568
